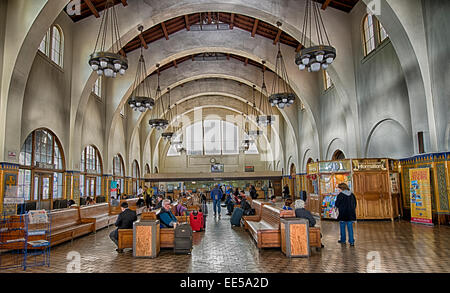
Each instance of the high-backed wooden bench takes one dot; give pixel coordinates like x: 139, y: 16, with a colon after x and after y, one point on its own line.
x: 99, y: 214
x: 66, y: 225
x: 266, y: 230
x: 257, y: 205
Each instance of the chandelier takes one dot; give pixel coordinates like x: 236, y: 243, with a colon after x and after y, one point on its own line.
x: 168, y: 135
x: 322, y: 55
x: 282, y: 94
x: 104, y: 62
x: 268, y: 119
x: 141, y: 99
x: 157, y: 122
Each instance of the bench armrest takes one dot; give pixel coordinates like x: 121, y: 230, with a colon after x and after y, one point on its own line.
x: 254, y: 218
x: 88, y: 220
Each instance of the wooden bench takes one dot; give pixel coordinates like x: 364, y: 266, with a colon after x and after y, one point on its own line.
x: 99, y: 214
x: 66, y: 225
x: 257, y: 205
x: 265, y: 229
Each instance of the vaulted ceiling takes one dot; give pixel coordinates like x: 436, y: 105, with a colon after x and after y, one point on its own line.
x: 94, y: 7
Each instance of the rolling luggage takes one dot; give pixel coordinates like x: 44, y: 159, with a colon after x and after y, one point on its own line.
x: 236, y: 217
x: 196, y: 221
x: 183, y: 239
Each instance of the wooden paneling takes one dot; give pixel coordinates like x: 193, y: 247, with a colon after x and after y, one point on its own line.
x: 299, y: 239
x: 143, y: 244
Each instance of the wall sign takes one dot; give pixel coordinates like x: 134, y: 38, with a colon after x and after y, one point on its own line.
x: 420, y: 196
x: 369, y: 165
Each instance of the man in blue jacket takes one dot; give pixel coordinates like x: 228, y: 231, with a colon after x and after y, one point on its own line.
x: 216, y: 196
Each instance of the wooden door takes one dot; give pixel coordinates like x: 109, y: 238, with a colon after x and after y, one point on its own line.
x: 277, y: 189
x: 372, y: 193
x: 43, y: 190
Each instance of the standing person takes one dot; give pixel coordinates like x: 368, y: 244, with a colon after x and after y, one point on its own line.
x: 140, y: 191
x: 266, y: 191
x: 148, y: 193
x: 286, y: 192
x: 124, y: 221
x: 346, y: 204
x: 253, y: 192
x: 216, y: 196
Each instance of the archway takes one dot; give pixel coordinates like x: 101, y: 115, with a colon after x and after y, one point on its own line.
x: 338, y: 155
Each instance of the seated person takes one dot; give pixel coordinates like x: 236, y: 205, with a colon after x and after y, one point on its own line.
x: 166, y: 218
x: 273, y: 199
x: 114, y: 202
x: 89, y: 201
x: 125, y: 220
x: 245, y: 205
x: 71, y: 202
x: 180, y: 209
x: 301, y: 212
x: 287, y: 205
x: 140, y: 202
x: 158, y: 203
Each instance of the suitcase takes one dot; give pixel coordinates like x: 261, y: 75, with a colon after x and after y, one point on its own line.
x: 196, y: 221
x: 183, y: 239
x: 236, y: 217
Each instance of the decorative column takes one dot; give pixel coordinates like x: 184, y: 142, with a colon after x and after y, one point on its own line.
x: 73, y: 186
x: 9, y: 180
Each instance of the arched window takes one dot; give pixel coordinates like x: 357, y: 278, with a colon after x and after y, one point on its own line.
x: 369, y: 34
x: 52, y: 45
x: 136, y: 177
x: 97, y: 88
x: 173, y: 152
x: 119, y: 172
x: 338, y: 155
x: 373, y: 33
x: 147, y: 169
x: 41, y: 169
x: 91, y: 173
x: 212, y: 137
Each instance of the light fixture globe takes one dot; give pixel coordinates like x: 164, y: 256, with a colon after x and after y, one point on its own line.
x: 159, y: 124
x: 282, y: 99
x: 102, y: 61
x: 167, y: 135
x: 314, y: 57
x: 255, y: 133
x: 265, y: 120
x: 141, y: 104
x: 327, y: 53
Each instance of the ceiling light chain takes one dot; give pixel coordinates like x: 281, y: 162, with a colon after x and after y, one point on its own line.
x: 157, y: 122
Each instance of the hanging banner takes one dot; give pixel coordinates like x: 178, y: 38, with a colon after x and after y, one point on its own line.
x: 113, y: 189
x: 420, y: 192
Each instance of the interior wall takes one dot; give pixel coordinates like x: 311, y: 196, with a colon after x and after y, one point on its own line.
x: 436, y: 23
x: 382, y: 94
x: 94, y: 124
x: 47, y: 93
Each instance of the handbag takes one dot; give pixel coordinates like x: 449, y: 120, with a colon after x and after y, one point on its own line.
x: 334, y: 213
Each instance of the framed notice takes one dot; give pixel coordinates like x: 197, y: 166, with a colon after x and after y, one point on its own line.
x: 420, y: 196
x: 249, y: 168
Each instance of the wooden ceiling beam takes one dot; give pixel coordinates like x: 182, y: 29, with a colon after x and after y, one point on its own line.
x: 163, y: 25
x: 124, y: 2
x: 299, y: 47
x: 255, y: 27
x: 186, y: 21
x: 277, y: 38
x: 143, y: 42
x: 232, y: 21
x: 325, y: 4
x: 175, y: 63
x: 246, y: 62
x: 92, y: 8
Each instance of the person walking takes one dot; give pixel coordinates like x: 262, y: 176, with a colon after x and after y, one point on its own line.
x: 253, y: 193
x: 346, y: 205
x: 216, y: 196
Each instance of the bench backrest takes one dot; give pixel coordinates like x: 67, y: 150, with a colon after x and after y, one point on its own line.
x: 271, y: 215
x: 65, y: 218
x: 93, y: 211
x: 257, y: 205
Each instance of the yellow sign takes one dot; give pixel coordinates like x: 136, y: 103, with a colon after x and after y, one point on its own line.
x: 420, y: 195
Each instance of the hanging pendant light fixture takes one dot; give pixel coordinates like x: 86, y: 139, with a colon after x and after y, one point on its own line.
x: 108, y: 63
x: 176, y: 128
x: 282, y: 95
x: 267, y: 118
x: 157, y: 122
x: 168, y: 135
x: 254, y: 113
x: 246, y: 121
x: 315, y: 57
x: 141, y: 99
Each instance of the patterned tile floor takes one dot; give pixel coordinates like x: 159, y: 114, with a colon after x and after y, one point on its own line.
x: 402, y: 248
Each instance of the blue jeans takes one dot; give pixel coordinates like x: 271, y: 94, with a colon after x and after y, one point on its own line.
x: 349, y: 225
x: 216, y: 203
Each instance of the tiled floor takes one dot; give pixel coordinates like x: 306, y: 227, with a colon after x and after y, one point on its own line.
x: 401, y: 246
